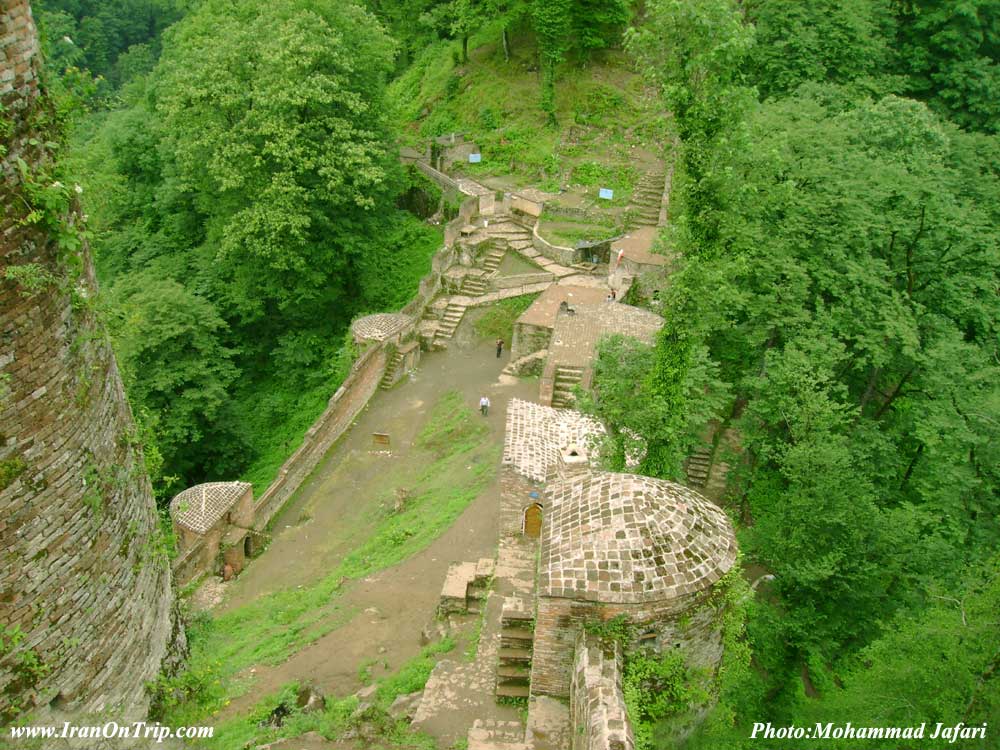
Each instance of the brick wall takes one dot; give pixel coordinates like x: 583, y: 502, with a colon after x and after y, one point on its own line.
x: 597, y: 710
x: 528, y: 339
x: 686, y: 621
x: 515, y: 498
x: 344, y: 406
x: 80, y: 576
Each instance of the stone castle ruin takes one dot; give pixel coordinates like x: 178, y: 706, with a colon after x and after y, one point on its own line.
x: 84, y: 584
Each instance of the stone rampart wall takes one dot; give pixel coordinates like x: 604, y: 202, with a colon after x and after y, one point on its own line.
x: 439, y: 178
x: 356, y: 390
x: 559, y: 621
x: 84, y: 578
x: 597, y: 710
x: 344, y: 406
x: 567, y: 256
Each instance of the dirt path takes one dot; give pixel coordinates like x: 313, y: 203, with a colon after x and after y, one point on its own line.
x: 389, y: 609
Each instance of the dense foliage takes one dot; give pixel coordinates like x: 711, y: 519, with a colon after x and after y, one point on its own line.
x: 837, y: 306
x: 244, y: 213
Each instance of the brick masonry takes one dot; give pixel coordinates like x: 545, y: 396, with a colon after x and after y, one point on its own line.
x: 81, y: 577
x: 597, y: 705
x: 691, y: 623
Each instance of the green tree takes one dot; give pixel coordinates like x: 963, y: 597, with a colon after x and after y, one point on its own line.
x: 950, y: 53
x: 823, y: 41
x: 552, y: 21
x: 276, y: 121
x: 175, y: 366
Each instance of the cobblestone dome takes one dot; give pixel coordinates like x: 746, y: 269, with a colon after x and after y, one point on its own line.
x: 198, y: 508
x: 623, y: 538
x: 380, y: 326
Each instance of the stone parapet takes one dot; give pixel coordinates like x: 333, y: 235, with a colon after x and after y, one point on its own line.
x: 597, y: 705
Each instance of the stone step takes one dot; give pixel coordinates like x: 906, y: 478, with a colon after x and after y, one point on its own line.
x: 513, y: 671
x: 507, y: 642
x: 496, y: 729
x: 518, y: 632
x: 514, y: 655
x: 513, y: 691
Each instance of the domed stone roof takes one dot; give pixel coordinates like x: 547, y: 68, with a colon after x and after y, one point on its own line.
x: 380, y: 326
x: 623, y: 538
x: 198, y: 508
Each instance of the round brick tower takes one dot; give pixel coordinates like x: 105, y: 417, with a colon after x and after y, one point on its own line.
x: 84, y: 583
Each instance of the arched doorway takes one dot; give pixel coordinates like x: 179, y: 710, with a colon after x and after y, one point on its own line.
x: 532, y: 524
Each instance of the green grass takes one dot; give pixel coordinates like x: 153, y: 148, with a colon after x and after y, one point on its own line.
x: 602, y: 109
x: 460, y: 463
x: 338, y: 717
x: 569, y: 234
x: 498, y: 321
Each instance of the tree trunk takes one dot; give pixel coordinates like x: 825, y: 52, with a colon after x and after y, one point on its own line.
x: 465, y: 48
x: 506, y: 44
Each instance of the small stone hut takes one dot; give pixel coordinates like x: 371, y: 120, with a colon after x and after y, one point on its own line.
x: 622, y: 544
x: 213, y: 523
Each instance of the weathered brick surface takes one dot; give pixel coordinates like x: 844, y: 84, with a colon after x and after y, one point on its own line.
x: 691, y: 623
x: 597, y: 705
x: 79, y: 578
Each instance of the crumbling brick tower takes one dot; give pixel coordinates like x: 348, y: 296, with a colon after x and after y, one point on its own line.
x: 84, y: 587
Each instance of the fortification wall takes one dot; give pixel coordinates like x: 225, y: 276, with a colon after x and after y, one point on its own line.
x: 690, y: 623
x: 344, y: 406
x: 350, y: 398
x: 83, y: 580
x: 597, y: 706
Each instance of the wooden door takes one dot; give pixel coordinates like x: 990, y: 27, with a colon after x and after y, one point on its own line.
x: 533, y: 521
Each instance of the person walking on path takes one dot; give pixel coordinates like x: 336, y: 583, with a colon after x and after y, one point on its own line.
x: 484, y: 405
x: 499, y: 347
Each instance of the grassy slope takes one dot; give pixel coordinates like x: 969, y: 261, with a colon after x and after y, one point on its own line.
x: 271, y: 628
x: 607, y: 119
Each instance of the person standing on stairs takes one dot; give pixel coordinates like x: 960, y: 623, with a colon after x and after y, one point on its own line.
x: 484, y: 405
x: 499, y: 347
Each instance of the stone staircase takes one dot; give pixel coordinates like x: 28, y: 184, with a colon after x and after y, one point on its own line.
x: 492, y: 261
x: 517, y: 366
x: 474, y: 286
x: 646, y: 199
x: 697, y: 467
x: 391, y: 370
x: 513, y: 234
x: 466, y: 586
x: 517, y: 637
x: 450, y: 320
x: 566, y: 377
